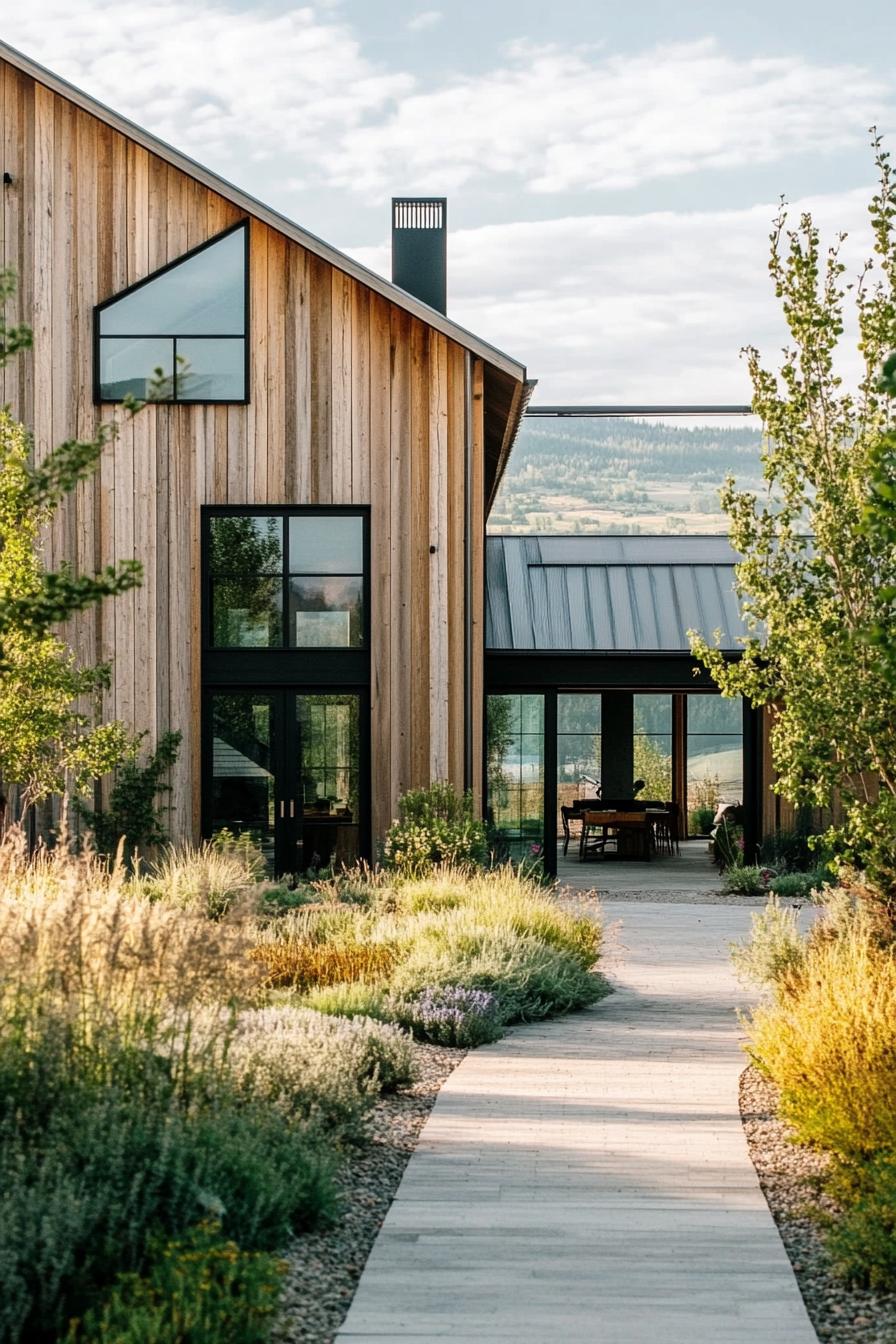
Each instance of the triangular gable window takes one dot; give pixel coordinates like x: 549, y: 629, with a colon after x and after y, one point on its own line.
x: 180, y: 334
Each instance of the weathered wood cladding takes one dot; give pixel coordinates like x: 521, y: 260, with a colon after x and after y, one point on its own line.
x: 352, y: 400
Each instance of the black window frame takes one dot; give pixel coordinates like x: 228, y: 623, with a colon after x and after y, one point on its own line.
x: 174, y: 400
x: 286, y: 664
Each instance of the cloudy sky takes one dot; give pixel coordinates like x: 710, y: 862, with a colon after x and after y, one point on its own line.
x: 612, y: 168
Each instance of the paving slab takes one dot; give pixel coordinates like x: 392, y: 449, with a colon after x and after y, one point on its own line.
x: 588, y: 1179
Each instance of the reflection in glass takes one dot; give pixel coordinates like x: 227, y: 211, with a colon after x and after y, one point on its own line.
x: 715, y: 759
x: 211, y: 369
x: 578, y: 748
x: 203, y: 295
x: 515, y: 756
x: 326, y: 545
x: 129, y: 366
x: 325, y: 612
x: 245, y: 545
x: 243, y: 785
x: 330, y: 753
x: 652, y: 746
x: 247, y: 613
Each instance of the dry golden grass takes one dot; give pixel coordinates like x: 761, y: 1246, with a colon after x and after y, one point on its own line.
x: 304, y: 965
x: 829, y: 1041
x: 74, y: 935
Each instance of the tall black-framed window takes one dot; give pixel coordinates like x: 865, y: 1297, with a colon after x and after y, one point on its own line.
x: 287, y: 579
x: 180, y: 334
x: 286, y: 680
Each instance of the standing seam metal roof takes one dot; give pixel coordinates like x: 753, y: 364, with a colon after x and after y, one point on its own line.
x: 610, y: 594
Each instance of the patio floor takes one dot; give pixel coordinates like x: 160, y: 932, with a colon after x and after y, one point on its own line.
x: 588, y: 1180
x: 689, y: 875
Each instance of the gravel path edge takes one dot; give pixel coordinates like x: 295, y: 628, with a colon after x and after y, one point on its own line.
x: 792, y: 1180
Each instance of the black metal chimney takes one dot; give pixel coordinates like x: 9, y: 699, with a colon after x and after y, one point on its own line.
x: 420, y: 247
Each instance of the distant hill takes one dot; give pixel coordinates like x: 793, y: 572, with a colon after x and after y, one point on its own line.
x: 622, y: 475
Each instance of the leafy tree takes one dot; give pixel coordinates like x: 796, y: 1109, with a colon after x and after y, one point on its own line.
x: 814, y: 579
x: 47, y: 742
x: 133, y: 813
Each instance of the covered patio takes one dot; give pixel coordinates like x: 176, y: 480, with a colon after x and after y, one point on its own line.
x: 596, y: 710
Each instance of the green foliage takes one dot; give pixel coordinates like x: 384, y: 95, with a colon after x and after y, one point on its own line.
x: 791, y: 851
x: 816, y: 581
x: 653, y: 765
x: 746, y: 880
x: 47, y: 743
x: 349, y: 1000
x: 198, y: 1289
x: 800, y: 886
x: 529, y: 978
x: 133, y: 812
x: 435, y: 825
x: 862, y: 1238
x: 701, y: 819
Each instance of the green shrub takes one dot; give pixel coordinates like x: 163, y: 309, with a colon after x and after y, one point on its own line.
x: 315, y: 1067
x: 133, y: 812
x: 862, y: 1238
x: 701, y: 820
x: 198, y: 1289
x: 530, y: 979
x: 81, y: 1198
x: 790, y: 851
x: 800, y: 886
x: 349, y: 1000
x: 435, y: 825
x: 747, y: 880
x: 775, y: 950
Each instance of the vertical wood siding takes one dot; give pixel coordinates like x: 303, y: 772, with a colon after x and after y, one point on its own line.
x: 352, y: 401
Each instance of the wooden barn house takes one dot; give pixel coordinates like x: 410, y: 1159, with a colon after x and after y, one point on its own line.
x: 322, y: 617
x: 309, y: 498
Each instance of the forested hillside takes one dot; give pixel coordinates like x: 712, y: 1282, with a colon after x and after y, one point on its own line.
x: 622, y: 475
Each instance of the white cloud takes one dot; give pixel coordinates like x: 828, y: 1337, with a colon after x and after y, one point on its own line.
x: 266, y: 93
x: 621, y: 309
x: 228, y: 85
x: 427, y: 18
x: 564, y: 118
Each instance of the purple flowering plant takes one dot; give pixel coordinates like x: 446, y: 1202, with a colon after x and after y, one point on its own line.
x: 452, y: 1015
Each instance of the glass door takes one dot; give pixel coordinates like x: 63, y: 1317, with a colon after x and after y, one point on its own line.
x: 286, y: 769
x: 242, y: 794
x: 328, y: 744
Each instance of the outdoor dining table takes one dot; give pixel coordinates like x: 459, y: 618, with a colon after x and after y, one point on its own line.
x: 634, y: 831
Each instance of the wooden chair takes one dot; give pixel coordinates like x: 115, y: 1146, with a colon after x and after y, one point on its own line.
x: 568, y: 814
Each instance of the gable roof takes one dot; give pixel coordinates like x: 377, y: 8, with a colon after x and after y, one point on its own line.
x: 626, y: 594
x: 244, y: 201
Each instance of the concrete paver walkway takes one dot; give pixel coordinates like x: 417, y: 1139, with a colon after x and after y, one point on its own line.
x: 588, y: 1179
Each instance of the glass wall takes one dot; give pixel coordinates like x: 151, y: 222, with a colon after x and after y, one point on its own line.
x: 515, y: 770
x: 653, y: 746
x: 578, y: 747
x: 715, y: 758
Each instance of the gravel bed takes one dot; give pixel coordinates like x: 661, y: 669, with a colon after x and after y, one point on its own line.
x: 661, y: 897
x: 792, y: 1180
x: 324, y: 1267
